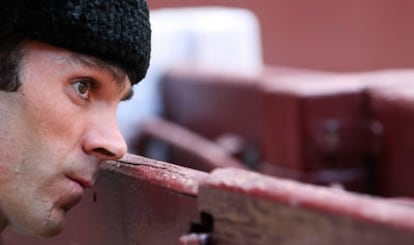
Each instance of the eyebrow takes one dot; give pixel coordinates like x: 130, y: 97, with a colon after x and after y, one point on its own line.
x: 117, y: 73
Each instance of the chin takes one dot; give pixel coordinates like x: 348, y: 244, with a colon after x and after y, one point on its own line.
x: 53, y: 226
x: 42, y: 232
x: 50, y: 231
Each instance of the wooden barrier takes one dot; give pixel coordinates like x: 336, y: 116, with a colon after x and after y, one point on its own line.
x: 313, y: 126
x: 134, y: 201
x: 142, y: 201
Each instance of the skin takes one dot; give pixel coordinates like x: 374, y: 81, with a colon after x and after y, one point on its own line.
x: 54, y: 132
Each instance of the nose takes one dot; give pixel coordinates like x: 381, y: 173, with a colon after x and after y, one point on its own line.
x: 104, y: 140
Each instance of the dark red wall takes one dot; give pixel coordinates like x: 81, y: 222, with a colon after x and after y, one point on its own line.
x: 342, y: 35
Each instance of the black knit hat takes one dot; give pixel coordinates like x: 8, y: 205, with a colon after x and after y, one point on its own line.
x: 116, y: 31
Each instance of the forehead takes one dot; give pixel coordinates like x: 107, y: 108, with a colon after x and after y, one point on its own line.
x: 38, y: 50
x: 92, y: 63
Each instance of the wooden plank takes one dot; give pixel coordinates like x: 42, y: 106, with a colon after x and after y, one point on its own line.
x: 186, y: 147
x: 394, y: 108
x: 135, y: 201
x: 250, y: 208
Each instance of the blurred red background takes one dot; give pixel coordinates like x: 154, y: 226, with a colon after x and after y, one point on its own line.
x: 342, y: 35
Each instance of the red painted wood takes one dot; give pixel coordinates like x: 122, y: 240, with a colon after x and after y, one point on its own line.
x: 185, y: 146
x: 249, y: 208
x: 394, y: 108
x: 139, y: 202
x: 322, y: 199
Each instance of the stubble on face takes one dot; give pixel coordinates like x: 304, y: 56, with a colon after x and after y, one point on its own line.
x: 43, y: 157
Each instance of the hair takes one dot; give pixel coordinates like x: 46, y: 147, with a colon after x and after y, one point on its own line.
x: 117, y: 31
x: 11, y: 54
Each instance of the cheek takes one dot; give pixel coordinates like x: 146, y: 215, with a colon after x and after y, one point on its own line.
x: 6, y: 175
x: 11, y: 157
x: 47, y: 107
x: 55, y: 122
x: 52, y: 117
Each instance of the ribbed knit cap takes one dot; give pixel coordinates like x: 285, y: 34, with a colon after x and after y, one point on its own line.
x: 115, y: 31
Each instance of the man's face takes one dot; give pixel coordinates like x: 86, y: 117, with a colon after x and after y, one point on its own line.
x: 54, y: 132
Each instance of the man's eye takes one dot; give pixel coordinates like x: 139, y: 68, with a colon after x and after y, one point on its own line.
x: 82, y: 88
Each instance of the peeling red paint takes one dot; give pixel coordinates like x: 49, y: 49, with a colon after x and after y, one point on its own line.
x: 323, y: 199
x: 173, y: 177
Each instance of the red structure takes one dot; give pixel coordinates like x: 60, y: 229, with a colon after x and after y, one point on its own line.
x: 345, y: 35
x: 142, y: 201
x: 286, y: 156
x: 317, y: 127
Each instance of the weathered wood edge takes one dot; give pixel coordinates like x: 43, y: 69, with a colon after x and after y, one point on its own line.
x: 173, y: 177
x: 365, y: 208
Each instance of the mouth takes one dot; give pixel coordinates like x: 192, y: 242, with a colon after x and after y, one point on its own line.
x: 77, y: 187
x: 84, y: 183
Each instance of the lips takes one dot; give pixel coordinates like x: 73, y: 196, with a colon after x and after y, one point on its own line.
x: 85, y: 183
x: 71, y: 201
x: 85, y: 180
x: 76, y: 188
